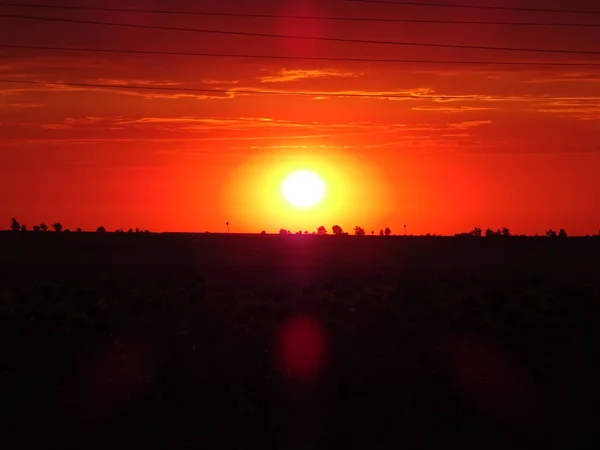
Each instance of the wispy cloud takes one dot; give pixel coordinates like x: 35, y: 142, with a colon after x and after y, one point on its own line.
x: 572, y: 109
x: 55, y: 126
x: 451, y: 109
x: 148, y: 94
x: 400, y: 94
x: 570, y: 77
x: 468, y: 124
x: 210, y: 81
x: 23, y: 105
x: 288, y: 75
x: 198, y: 124
x: 133, y: 82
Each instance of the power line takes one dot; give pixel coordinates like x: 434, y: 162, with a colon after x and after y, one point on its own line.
x: 283, y: 16
x: 312, y: 38
x: 501, y: 8
x: 296, y: 93
x: 323, y: 58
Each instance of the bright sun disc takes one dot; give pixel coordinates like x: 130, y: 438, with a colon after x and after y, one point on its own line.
x: 303, y: 188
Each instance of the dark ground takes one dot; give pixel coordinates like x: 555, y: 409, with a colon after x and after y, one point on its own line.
x: 168, y: 341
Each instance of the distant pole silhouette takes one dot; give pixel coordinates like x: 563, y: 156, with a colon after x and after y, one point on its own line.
x: 227, y: 223
x: 404, y: 230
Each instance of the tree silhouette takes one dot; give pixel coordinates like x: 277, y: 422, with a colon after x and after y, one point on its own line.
x: 388, y: 232
x: 78, y: 230
x: 23, y: 228
x: 337, y: 230
x: 57, y: 227
x: 490, y: 233
x: 358, y: 231
x: 381, y: 232
x: 67, y: 231
x: 43, y: 227
x: 283, y: 232
x: 321, y: 231
x: 100, y: 229
x: 263, y: 232
x: 15, y: 225
x: 130, y: 231
x: 505, y: 232
x: 562, y: 233
x: 36, y: 228
x: 372, y: 233
x: 551, y: 233
x: 476, y: 232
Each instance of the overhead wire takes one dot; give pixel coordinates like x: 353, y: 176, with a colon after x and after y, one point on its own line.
x: 488, y: 7
x: 302, y: 58
x: 295, y: 17
x: 313, y: 38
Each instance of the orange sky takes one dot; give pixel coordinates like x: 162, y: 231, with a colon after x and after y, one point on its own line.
x: 175, y: 161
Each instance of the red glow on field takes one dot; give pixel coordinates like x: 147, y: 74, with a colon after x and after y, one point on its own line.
x: 301, y: 348
x: 495, y: 382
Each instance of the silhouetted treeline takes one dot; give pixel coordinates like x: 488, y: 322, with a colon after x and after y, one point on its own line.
x: 58, y: 228
x: 337, y: 230
x: 505, y: 233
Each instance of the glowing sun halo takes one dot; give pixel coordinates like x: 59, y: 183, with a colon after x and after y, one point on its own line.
x: 303, y: 188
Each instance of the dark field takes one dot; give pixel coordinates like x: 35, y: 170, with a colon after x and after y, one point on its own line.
x: 169, y: 341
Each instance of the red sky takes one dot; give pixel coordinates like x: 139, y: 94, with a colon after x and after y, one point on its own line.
x: 177, y: 161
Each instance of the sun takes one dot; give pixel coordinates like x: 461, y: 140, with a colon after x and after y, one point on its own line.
x: 303, y: 188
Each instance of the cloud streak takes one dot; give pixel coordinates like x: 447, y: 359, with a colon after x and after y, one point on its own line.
x: 290, y: 75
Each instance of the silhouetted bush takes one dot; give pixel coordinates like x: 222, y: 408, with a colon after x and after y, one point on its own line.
x: 490, y: 233
x: 100, y: 229
x: 358, y: 231
x: 321, y: 230
x: 36, y: 228
x: 57, y: 227
x: 43, y: 227
x: 337, y: 230
x: 15, y: 225
x: 23, y: 228
x: 388, y: 231
x: 476, y: 232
